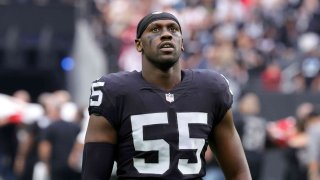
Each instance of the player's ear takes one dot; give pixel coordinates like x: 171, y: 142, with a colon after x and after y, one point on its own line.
x: 182, y: 48
x: 138, y: 45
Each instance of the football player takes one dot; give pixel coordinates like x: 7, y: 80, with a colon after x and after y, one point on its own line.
x: 158, y: 123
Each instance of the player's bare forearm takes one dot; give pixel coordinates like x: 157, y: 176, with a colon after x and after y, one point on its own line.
x: 226, y: 144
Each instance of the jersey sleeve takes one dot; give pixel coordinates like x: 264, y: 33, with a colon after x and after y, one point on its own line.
x: 224, y: 97
x: 102, y: 100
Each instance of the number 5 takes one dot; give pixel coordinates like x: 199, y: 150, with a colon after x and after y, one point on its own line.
x: 95, y: 92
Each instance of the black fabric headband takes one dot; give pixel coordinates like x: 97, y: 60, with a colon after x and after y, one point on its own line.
x: 144, y: 22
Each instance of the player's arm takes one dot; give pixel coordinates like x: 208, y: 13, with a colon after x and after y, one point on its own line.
x: 226, y: 144
x: 99, y: 149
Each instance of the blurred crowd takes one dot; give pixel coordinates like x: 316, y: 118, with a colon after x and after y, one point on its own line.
x: 272, y: 45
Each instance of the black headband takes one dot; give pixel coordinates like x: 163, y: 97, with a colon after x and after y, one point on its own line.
x: 144, y: 22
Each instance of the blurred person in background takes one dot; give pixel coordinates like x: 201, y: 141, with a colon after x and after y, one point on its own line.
x: 295, y: 152
x: 167, y: 134
x: 290, y: 135
x: 56, y: 143
x: 10, y: 117
x: 75, y: 159
x: 252, y: 131
x: 310, y: 64
x: 313, y: 145
x: 271, y: 78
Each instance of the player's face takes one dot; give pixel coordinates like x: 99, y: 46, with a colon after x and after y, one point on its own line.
x: 161, y: 43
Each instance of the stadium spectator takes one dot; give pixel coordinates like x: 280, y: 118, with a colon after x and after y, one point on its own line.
x: 271, y: 78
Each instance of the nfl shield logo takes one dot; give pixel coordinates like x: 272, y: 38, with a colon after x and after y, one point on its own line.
x: 170, y: 97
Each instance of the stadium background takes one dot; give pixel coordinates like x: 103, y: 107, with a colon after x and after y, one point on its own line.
x: 269, y: 47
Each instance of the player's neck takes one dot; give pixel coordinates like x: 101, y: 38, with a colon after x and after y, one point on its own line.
x: 165, y: 80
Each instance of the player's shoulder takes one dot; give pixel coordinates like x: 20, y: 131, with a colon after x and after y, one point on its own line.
x: 118, y: 77
x: 209, y: 77
x: 205, y: 72
x: 118, y: 80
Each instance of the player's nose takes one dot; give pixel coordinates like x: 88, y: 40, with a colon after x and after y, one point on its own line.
x: 166, y: 34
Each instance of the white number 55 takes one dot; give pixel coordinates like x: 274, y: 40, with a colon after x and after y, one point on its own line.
x: 160, y: 145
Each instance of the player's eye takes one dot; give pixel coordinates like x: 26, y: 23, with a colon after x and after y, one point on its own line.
x: 155, y: 29
x: 173, y: 29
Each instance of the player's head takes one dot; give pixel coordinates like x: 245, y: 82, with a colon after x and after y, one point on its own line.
x: 159, y: 39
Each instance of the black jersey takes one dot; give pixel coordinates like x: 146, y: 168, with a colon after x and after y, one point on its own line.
x: 161, y: 134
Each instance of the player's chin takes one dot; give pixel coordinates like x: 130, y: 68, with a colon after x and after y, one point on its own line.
x: 166, y: 63
x: 169, y: 57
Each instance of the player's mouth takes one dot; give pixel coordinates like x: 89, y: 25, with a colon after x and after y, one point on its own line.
x: 167, y: 46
